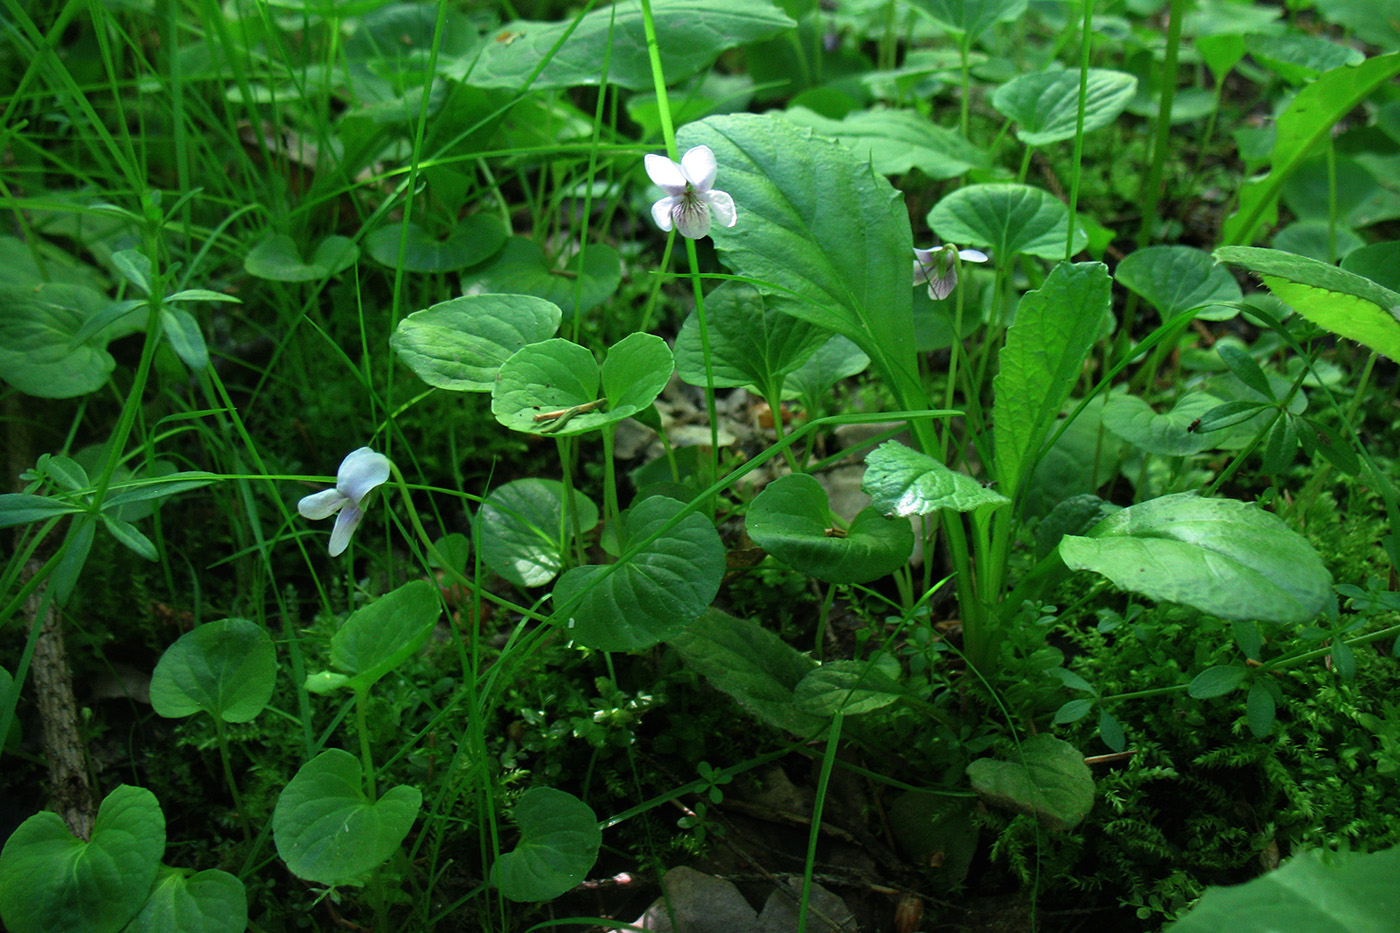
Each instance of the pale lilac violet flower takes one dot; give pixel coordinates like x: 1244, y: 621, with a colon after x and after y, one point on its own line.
x: 691, y: 200
x: 937, y: 268
x: 359, y: 474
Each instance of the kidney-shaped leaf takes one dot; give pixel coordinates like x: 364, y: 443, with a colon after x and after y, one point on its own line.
x: 752, y: 342
x: 520, y: 267
x: 328, y: 831
x: 228, y: 669
x: 559, y: 840
x: 40, y: 353
x: 791, y: 519
x: 653, y: 595
x: 475, y: 239
x: 901, y: 481
x: 380, y: 637
x: 1168, y: 435
x: 1007, y: 217
x: 278, y: 259
x: 209, y: 902
x: 1048, y: 780
x: 460, y: 344
x: 973, y: 17
x: 1221, y: 556
x: 520, y: 524
x: 51, y: 882
x: 1045, y: 104
x: 1174, y: 279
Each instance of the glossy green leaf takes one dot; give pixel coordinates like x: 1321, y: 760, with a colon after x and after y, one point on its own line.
x: 1007, y: 218
x: 328, y: 831
x: 519, y: 526
x: 751, y: 664
x: 905, y: 482
x: 40, y: 353
x: 655, y: 593
x: 791, y: 519
x: 1221, y: 556
x: 460, y: 344
x: 897, y: 141
x: 208, y: 902
x: 227, y: 669
x: 847, y: 687
x: 559, y: 842
x: 1048, y: 779
x: 379, y: 637
x: 752, y: 341
x: 1045, y: 104
x: 1217, y: 681
x: 1342, y: 302
x: 973, y: 17
x: 1174, y: 279
x: 1304, y: 125
x: 51, y: 882
x: 278, y: 259
x: 520, y: 268
x: 1168, y: 434
x: 1046, y: 347
x: 473, y: 240
x: 1314, y: 892
x: 695, y: 32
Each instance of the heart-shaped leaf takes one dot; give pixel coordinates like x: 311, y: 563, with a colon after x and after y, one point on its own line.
x: 208, y: 902
x: 328, y: 831
x: 520, y: 268
x: 905, y: 482
x: 653, y: 595
x: 791, y: 519
x: 1168, y: 435
x: 1048, y: 780
x: 752, y: 341
x: 381, y: 636
x: 1009, y: 218
x: 278, y: 259
x: 1299, y: 58
x: 833, y: 361
x: 847, y: 687
x: 973, y: 17
x: 460, y: 344
x: 538, y: 388
x: 228, y: 669
x: 40, y: 350
x: 51, y: 882
x: 1220, y: 556
x: 897, y: 141
x: 1045, y: 104
x: 559, y: 841
x: 475, y: 239
x: 1174, y: 279
x: 519, y: 527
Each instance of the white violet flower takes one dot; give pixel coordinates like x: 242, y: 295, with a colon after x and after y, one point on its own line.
x: 692, y: 200
x: 937, y: 268
x: 359, y: 474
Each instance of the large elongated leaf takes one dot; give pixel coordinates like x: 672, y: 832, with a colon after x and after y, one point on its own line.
x: 905, y: 482
x: 559, y: 841
x: 1306, y: 123
x: 1045, y: 104
x: 1007, y: 217
x: 655, y: 594
x: 460, y: 344
x: 1220, y: 556
x: 693, y: 33
x: 1045, y: 351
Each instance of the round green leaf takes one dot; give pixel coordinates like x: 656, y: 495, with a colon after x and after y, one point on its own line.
x: 752, y: 341
x: 381, y: 636
x: 636, y: 370
x: 653, y: 595
x: 328, y: 831
x: 278, y: 259
x: 520, y: 267
x: 1168, y: 435
x: 1045, y: 104
x: 901, y: 481
x: 40, y: 350
x: 973, y: 17
x: 209, y: 902
x: 1009, y: 218
x: 228, y: 669
x: 1174, y: 279
x: 1220, y: 556
x: 559, y: 841
x: 1048, y: 780
x: 51, y: 882
x: 1317, y: 239
x: 791, y: 520
x: 475, y: 239
x: 519, y: 526
x: 460, y: 344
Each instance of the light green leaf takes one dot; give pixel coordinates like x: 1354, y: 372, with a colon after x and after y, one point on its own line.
x: 559, y: 841
x: 1045, y: 104
x: 473, y: 240
x: 905, y: 482
x: 278, y: 259
x: 1048, y: 780
x: 1009, y: 218
x: 973, y: 17
x: 208, y: 902
x: 653, y: 595
x: 1299, y: 58
x: 460, y: 344
x: 135, y: 267
x: 897, y: 141
x: 228, y: 669
x: 752, y: 342
x: 1167, y: 435
x: 379, y: 637
x: 183, y: 332
x: 833, y: 361
x: 328, y: 831
x: 520, y: 268
x: 1220, y: 556
x: 1174, y: 279
x: 519, y: 526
